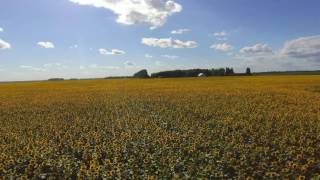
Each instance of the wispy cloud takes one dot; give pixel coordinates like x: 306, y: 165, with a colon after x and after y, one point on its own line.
x: 75, y: 46
x: 45, y: 68
x: 220, y: 34
x: 102, y: 67
x: 168, y: 43
x: 4, y: 44
x: 129, y: 64
x: 159, y: 63
x: 46, y: 44
x: 112, y: 52
x: 148, y: 56
x: 180, y: 31
x: 170, y: 56
x: 257, y: 49
x: 222, y: 47
x: 32, y: 68
x: 55, y: 66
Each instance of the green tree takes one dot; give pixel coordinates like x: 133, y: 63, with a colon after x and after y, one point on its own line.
x: 248, y: 71
x: 229, y: 71
x: 141, y: 74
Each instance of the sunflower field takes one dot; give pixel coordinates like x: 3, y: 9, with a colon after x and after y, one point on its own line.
x: 259, y: 127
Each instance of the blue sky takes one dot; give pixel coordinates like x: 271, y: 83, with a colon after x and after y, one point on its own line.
x: 41, y: 39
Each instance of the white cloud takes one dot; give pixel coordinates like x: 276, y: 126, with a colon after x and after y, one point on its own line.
x: 1, y: 29
x: 46, y: 45
x: 260, y: 57
x: 112, y: 52
x: 168, y: 43
x: 220, y: 34
x: 170, y: 56
x: 148, y: 56
x: 180, y: 31
x: 129, y: 12
x: 4, y: 44
x: 303, y: 48
x: 222, y: 47
x: 258, y: 49
x: 298, y: 54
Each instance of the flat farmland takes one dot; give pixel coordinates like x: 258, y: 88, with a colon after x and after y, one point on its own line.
x: 220, y: 127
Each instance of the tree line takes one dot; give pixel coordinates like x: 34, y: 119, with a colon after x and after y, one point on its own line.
x: 190, y: 73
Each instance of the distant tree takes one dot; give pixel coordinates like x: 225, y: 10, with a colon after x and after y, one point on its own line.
x: 248, y: 71
x: 229, y: 71
x: 181, y: 73
x: 56, y: 79
x: 193, y: 73
x: 141, y: 74
x: 218, y: 72
x: 170, y: 74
